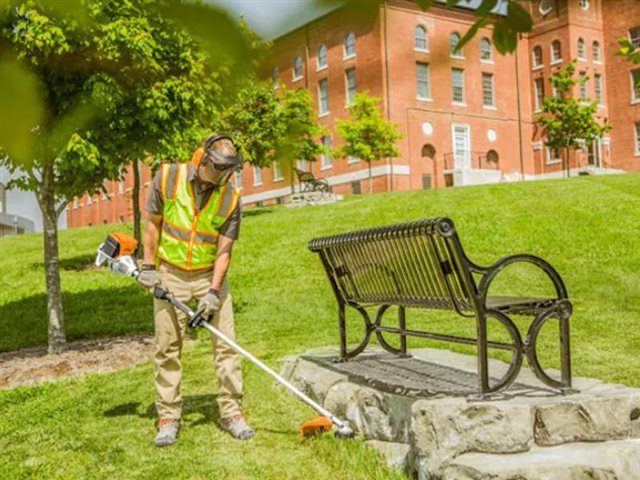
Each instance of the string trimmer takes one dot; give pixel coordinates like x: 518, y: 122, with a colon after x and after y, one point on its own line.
x: 117, y: 252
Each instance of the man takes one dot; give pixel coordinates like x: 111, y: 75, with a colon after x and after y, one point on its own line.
x: 193, y: 220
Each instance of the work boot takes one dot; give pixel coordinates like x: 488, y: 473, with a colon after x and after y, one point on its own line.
x: 237, y: 427
x: 167, y: 432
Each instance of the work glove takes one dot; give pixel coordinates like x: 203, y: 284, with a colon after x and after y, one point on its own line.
x: 211, y: 303
x: 149, y: 277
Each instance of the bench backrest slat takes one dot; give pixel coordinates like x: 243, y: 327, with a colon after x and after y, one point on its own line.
x: 418, y: 264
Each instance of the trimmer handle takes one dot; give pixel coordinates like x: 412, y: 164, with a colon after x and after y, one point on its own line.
x: 195, y: 318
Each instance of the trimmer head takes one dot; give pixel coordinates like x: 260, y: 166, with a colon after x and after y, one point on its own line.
x: 117, y: 250
x: 323, y: 424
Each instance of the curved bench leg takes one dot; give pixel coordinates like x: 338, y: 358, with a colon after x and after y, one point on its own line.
x: 562, y: 312
x: 483, y: 343
x: 346, y: 354
x: 402, y: 351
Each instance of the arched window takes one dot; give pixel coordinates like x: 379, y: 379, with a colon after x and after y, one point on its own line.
x: 350, y: 45
x: 537, y: 56
x: 582, y: 52
x: 486, y: 52
x: 492, y: 157
x: 421, y: 40
x: 556, y: 51
x: 597, y: 57
x: 454, y: 40
x: 322, y: 56
x: 297, y: 68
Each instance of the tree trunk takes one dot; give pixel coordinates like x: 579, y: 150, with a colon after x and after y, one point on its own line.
x: 46, y: 199
x: 370, y: 180
x: 135, y: 197
x: 566, y: 156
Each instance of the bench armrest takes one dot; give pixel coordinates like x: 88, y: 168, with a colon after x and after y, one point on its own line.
x: 489, y: 273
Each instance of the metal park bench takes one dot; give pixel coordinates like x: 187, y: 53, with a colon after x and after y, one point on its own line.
x: 309, y: 183
x: 422, y: 265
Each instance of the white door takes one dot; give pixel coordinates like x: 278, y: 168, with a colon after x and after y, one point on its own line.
x: 461, y: 147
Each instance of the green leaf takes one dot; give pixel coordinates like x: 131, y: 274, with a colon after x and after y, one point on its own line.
x: 518, y: 18
x: 472, y: 32
x: 504, y: 39
x: 425, y: 4
x: 22, y: 110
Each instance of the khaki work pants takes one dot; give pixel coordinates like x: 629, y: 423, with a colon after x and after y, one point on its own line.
x: 170, y: 326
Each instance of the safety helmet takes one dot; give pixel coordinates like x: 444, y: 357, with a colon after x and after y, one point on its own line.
x: 227, y: 164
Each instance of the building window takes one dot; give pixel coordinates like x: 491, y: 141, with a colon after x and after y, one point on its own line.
x: 322, y: 57
x: 637, y: 137
x: 89, y: 200
x: 584, y: 5
x: 597, y: 57
x: 238, y: 177
x: 302, y: 165
x: 277, y: 171
x: 75, y: 200
x: 539, y: 93
x: 323, y: 96
x: 454, y: 51
x: 488, y: 99
x: 356, y: 188
x: 635, y: 85
x: 582, y: 52
x: 584, y: 87
x: 634, y: 37
x: 422, y: 76
x: 297, y: 68
x: 351, y: 160
x: 599, y: 88
x: 537, y: 56
x: 257, y: 176
x: 546, y: 6
x: 457, y: 85
x: 486, y: 52
x: 553, y: 156
x: 326, y: 160
x: 350, y: 45
x: 121, y: 187
x: 421, y: 41
x: 556, y: 51
x: 3, y: 199
x: 275, y: 77
x: 350, y: 85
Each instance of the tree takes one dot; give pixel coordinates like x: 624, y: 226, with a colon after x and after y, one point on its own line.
x: 367, y: 134
x: 566, y: 121
x: 102, y: 85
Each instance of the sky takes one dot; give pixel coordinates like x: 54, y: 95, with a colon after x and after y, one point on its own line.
x: 271, y: 18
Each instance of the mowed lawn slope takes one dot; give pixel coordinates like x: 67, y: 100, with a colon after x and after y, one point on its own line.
x: 101, y: 426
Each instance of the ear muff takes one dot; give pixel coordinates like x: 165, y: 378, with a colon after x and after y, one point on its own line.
x: 197, y: 156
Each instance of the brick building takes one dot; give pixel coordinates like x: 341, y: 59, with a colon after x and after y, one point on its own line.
x: 467, y: 116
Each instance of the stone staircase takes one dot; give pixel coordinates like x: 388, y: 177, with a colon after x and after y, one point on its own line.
x: 422, y: 414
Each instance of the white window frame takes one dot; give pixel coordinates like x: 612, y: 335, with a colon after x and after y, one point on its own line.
x: 238, y: 178
x: 598, y: 84
x: 295, y: 61
x: 635, y: 91
x: 426, y: 39
x: 584, y: 87
x: 491, y: 106
x: 637, y: 39
x: 545, y: 7
x: 75, y: 200
x: 484, y: 40
x: 468, y: 158
x: 302, y: 165
x: 457, y: 53
x: 534, y: 64
x: 121, y: 187
x: 462, y: 102
x: 351, y: 160
x: 277, y: 171
x: 321, y: 112
x: 636, y: 136
x: 581, y: 50
x: 326, y: 63
x: 584, y: 4
x: 595, y: 47
x: 346, y: 55
x: 555, y: 60
x: 349, y: 96
x: 257, y: 176
x: 537, y: 99
x: 326, y: 161
x: 552, y: 161
x: 428, y: 81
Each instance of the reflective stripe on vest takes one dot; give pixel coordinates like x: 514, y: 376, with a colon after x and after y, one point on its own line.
x: 189, y: 240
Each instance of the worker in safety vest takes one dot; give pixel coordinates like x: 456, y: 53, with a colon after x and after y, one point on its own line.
x: 193, y: 220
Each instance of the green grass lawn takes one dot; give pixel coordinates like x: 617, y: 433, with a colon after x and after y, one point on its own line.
x: 101, y: 426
